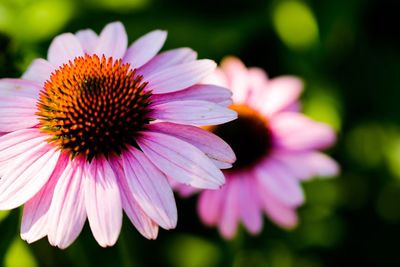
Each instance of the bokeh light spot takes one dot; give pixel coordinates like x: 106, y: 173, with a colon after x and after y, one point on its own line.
x: 295, y: 24
x: 18, y: 254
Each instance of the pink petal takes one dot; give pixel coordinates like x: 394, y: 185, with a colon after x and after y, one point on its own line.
x: 26, y: 175
x: 180, y: 160
x: 146, y: 226
x: 306, y: 165
x: 213, y: 146
x: 35, y: 216
x: 281, y: 92
x: 196, y: 112
x: 103, y: 202
x: 211, y: 93
x: 16, y: 143
x: 210, y: 204
x: 230, y: 212
x: 150, y: 188
x: 88, y: 39
x: 64, y: 48
x: 249, y: 206
x: 67, y: 213
x: 39, y: 71
x: 295, y: 131
x: 237, y: 77
x: 217, y: 78
x: 19, y: 87
x: 145, y: 48
x: 17, y: 113
x: 178, y: 77
x: 279, y: 182
x: 281, y: 214
x: 113, y: 41
x: 167, y: 59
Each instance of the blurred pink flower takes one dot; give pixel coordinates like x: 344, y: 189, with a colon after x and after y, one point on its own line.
x: 276, y: 148
x: 97, y: 127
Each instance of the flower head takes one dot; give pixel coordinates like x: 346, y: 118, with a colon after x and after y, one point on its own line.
x: 96, y: 129
x: 276, y: 148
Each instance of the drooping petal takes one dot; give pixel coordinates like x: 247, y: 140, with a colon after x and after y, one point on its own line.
x: 146, y: 226
x: 103, y: 202
x: 213, y: 146
x: 88, y: 39
x: 167, y: 59
x: 26, y: 175
x: 39, y: 71
x: 145, y: 48
x: 230, y: 213
x: 64, y: 48
x: 180, y: 160
x: 16, y: 143
x: 279, y: 182
x: 19, y: 87
x: 209, y: 205
x: 113, y: 41
x: 150, y: 188
x: 249, y: 206
x: 17, y: 113
x: 67, y: 213
x: 295, y: 131
x: 35, y: 216
x: 282, y: 215
x: 211, y: 93
x: 195, y: 112
x: 178, y: 77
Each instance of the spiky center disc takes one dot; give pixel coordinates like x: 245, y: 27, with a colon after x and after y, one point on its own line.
x: 93, y: 106
x: 248, y: 136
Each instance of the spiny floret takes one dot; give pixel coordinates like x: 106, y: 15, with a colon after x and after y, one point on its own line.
x: 94, y: 106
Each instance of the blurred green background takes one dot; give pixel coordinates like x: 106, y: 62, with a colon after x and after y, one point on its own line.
x: 348, y: 54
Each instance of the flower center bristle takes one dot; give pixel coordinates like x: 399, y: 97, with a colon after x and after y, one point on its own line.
x: 248, y: 136
x: 93, y: 106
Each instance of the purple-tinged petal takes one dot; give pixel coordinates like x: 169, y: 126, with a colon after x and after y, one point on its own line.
x: 113, y: 41
x: 64, y: 48
x: 67, y: 213
x: 150, y: 188
x: 19, y: 87
x: 167, y: 59
x: 195, y: 112
x: 39, y: 71
x: 103, y: 202
x: 213, y: 146
x: 180, y: 160
x: 179, y: 77
x: 237, y: 77
x: 17, y: 113
x: 145, y: 48
x: 211, y: 93
x: 88, y: 39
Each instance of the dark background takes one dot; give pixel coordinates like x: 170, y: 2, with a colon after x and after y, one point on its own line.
x: 347, y: 52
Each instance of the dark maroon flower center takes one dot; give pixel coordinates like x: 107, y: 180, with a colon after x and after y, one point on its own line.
x: 248, y: 136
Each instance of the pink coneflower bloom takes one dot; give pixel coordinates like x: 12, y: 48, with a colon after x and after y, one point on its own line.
x: 276, y: 148
x: 90, y: 132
